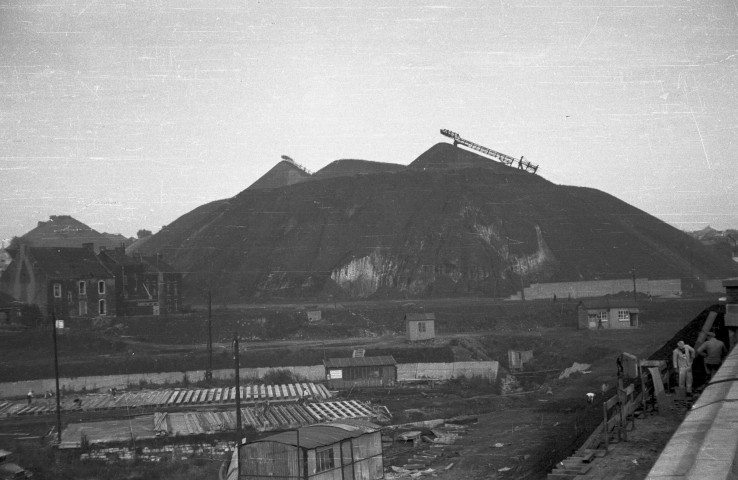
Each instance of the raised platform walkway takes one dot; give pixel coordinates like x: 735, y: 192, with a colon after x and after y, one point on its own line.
x: 706, y: 443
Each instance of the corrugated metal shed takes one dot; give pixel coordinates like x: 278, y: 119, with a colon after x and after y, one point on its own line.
x: 321, y: 435
x: 359, y: 361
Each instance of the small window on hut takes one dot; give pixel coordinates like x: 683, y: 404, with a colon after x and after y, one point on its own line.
x: 421, y: 327
x: 324, y: 460
x: 624, y: 315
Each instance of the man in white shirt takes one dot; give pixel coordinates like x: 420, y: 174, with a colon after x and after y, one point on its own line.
x: 682, y: 359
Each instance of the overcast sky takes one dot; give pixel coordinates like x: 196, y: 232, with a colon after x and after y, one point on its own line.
x: 128, y: 114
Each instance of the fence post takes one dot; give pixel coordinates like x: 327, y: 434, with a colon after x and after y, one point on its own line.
x: 605, y: 429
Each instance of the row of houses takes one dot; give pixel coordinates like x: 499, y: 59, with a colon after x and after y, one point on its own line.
x: 80, y: 283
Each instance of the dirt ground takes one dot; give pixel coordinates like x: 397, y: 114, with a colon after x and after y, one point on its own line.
x: 524, y: 434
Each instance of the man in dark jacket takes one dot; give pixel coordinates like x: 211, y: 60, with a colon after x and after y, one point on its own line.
x: 714, y: 351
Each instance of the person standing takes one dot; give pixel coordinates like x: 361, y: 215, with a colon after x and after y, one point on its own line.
x: 714, y: 351
x: 682, y: 359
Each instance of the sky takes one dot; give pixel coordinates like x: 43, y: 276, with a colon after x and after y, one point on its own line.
x: 129, y: 114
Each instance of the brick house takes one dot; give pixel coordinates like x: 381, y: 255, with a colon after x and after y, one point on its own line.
x: 606, y: 312
x: 71, y: 282
x: 146, y: 285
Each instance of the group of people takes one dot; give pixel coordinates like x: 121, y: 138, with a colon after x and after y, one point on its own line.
x: 713, y: 351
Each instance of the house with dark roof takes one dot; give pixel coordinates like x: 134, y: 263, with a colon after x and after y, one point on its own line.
x: 343, y: 373
x: 335, y: 451
x: 420, y: 326
x: 146, y: 285
x: 606, y: 312
x: 71, y: 282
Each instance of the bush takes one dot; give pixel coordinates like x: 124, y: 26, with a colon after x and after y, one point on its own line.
x: 280, y: 377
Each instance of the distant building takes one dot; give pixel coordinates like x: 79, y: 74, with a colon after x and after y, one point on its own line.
x: 314, y: 316
x: 342, y: 373
x: 607, y: 313
x: 335, y: 451
x: 516, y: 359
x: 420, y: 326
x: 77, y: 283
x: 71, y: 282
x: 146, y: 286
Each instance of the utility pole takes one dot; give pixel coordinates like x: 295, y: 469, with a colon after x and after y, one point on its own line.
x: 56, y: 377
x: 209, y: 371
x: 238, y: 400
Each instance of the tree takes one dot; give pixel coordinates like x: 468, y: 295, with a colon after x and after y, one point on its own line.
x: 143, y: 233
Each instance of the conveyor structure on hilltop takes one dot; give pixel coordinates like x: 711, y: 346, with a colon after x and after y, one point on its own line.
x: 522, y: 164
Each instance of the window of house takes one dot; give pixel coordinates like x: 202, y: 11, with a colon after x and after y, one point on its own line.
x: 624, y: 315
x: 57, y: 290
x: 421, y: 327
x: 82, y: 308
x: 324, y: 460
x: 70, y: 298
x: 101, y: 287
x: 83, y: 288
x: 101, y: 306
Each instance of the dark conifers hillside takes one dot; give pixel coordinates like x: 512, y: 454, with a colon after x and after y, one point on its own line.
x: 452, y: 223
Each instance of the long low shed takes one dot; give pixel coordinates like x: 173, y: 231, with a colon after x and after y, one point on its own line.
x: 352, y: 372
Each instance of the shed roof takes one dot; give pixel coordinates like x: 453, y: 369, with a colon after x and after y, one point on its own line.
x: 603, y: 303
x: 315, y: 436
x: 359, y: 361
x: 419, y: 316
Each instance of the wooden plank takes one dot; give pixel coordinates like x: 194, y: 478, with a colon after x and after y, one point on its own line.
x: 218, y: 394
x: 611, y: 402
x: 269, y: 392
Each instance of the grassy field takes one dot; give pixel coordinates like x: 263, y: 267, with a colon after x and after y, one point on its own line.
x: 278, y: 336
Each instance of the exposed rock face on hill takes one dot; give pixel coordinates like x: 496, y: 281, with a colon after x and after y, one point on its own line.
x: 451, y: 223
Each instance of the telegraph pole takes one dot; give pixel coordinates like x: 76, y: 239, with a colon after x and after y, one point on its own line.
x: 238, y: 400
x: 209, y: 372
x: 56, y: 376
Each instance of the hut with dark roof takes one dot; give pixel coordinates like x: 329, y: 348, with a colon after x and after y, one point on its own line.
x: 420, y: 326
x: 343, y: 373
x: 607, y: 312
x: 335, y: 451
